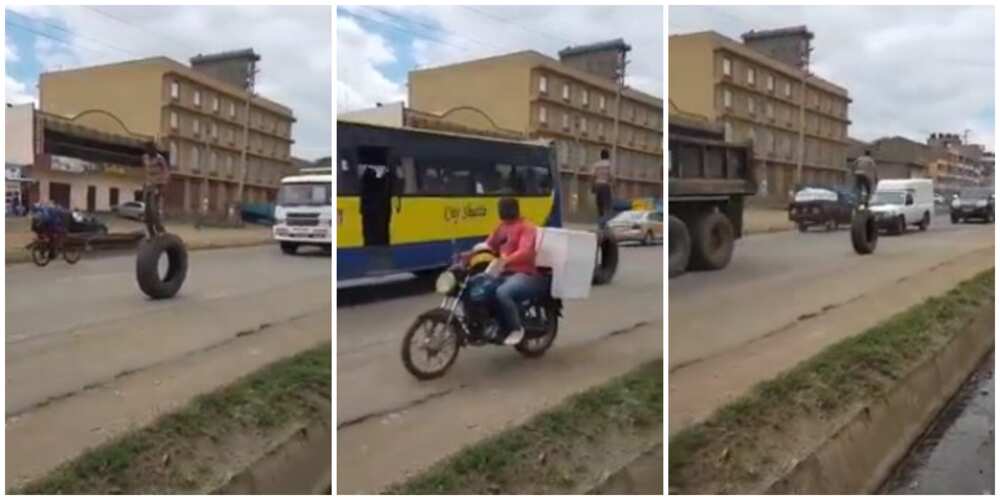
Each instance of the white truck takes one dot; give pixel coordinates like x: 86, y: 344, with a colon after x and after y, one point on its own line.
x: 898, y: 203
x: 304, y: 211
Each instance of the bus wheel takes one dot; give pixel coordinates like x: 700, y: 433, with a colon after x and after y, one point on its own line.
x: 607, y: 258
x: 679, y: 246
x: 147, y: 266
x: 289, y: 247
x: 713, y: 239
x: 864, y: 233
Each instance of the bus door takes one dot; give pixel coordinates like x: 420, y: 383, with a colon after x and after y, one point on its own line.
x: 376, y: 187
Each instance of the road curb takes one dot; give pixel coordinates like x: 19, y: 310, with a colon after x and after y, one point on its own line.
x: 22, y: 257
x: 642, y: 475
x: 858, y: 456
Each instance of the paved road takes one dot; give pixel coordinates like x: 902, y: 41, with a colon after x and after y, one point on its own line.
x: 787, y: 295
x: 76, y: 334
x: 389, y: 424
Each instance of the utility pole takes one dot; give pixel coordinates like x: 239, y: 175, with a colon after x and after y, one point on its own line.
x: 619, y: 87
x: 252, y: 78
x: 802, y: 119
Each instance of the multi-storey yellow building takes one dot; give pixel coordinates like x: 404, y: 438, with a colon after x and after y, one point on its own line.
x: 542, y: 97
x: 761, y: 99
x: 208, y: 125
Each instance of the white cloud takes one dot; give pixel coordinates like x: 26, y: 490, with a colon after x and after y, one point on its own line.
x: 10, y: 52
x: 16, y: 92
x: 444, y: 35
x: 294, y: 44
x: 360, y: 84
x: 910, y: 71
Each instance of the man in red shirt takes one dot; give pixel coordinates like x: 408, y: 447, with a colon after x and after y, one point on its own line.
x: 514, y: 241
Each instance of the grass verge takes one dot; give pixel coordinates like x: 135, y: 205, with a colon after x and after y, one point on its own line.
x: 736, y: 446
x: 180, y: 451
x: 553, y: 449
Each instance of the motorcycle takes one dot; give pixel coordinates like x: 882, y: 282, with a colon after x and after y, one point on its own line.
x: 467, y: 317
x: 54, y: 228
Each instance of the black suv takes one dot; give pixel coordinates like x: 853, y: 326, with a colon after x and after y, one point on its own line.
x: 973, y: 203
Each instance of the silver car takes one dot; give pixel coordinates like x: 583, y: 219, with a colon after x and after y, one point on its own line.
x: 643, y: 226
x: 131, y: 210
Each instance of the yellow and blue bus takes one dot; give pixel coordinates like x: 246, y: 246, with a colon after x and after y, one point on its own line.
x: 409, y: 199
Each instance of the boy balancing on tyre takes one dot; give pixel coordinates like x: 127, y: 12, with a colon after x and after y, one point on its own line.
x: 157, y: 176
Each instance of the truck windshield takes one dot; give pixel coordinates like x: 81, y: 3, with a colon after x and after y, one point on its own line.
x: 305, y: 194
x: 888, y: 198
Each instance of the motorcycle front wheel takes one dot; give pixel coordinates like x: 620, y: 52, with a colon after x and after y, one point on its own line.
x: 430, y: 345
x: 40, y: 254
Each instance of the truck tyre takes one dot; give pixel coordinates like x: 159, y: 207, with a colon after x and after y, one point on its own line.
x: 712, y: 241
x: 679, y: 246
x: 289, y: 247
x: 925, y: 222
x: 147, y: 271
x: 864, y: 233
x: 607, y: 258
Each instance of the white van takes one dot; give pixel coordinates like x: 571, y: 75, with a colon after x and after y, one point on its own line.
x: 899, y: 203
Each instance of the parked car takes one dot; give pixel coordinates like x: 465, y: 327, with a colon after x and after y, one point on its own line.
x: 973, y: 203
x: 643, y: 226
x: 130, y: 210
x: 821, y: 206
x: 899, y: 203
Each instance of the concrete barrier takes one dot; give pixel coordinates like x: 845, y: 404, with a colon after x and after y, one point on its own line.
x: 858, y: 456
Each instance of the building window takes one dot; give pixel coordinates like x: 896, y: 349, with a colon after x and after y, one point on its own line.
x: 770, y: 83
x: 727, y: 66
x: 788, y: 89
x: 751, y: 76
x: 728, y: 131
x: 565, y: 91
x: 214, y: 128
x: 600, y: 129
x: 751, y: 105
x: 175, y: 90
x: 770, y: 110
x: 583, y: 124
x: 173, y: 153
x: 727, y: 98
x: 197, y: 98
x: 195, y: 157
x: 602, y: 102
x: 565, y: 121
x: 543, y: 84
x: 232, y: 109
x: 214, y: 160
x: 585, y: 97
x: 543, y: 116
x: 215, y: 103
x: 196, y: 126
x: 173, y: 120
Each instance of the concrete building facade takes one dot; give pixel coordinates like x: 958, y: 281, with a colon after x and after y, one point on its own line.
x: 768, y: 102
x: 211, y: 129
x: 540, y: 97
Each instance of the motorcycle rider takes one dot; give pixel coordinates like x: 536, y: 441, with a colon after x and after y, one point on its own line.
x: 514, y: 241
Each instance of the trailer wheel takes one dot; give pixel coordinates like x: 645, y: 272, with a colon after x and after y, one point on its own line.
x: 712, y: 241
x: 679, y: 246
x: 864, y: 233
x: 607, y: 258
x: 147, y: 270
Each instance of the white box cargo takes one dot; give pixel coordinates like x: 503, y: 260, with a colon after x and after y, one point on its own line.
x: 572, y: 256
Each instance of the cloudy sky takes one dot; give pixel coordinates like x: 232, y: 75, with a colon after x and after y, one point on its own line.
x: 294, y: 44
x: 377, y: 46
x: 910, y: 70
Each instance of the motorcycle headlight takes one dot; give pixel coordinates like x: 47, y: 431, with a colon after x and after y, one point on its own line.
x: 446, y: 282
x: 981, y: 203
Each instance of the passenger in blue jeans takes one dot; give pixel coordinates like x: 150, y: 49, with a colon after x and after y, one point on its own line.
x: 514, y: 241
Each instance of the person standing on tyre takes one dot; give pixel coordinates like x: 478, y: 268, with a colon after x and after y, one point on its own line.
x: 157, y: 176
x: 866, y: 175
x: 603, y: 179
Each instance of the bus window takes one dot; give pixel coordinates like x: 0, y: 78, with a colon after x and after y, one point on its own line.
x: 534, y: 180
x: 347, y: 179
x: 408, y: 176
x: 495, y: 179
x: 444, y: 181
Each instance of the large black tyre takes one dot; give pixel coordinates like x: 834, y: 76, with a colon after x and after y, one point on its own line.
x: 607, y: 258
x: 679, y: 246
x: 72, y: 255
x: 955, y: 219
x: 527, y: 347
x: 289, y: 247
x: 147, y: 271
x: 864, y: 232
x: 437, y: 316
x: 712, y: 242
